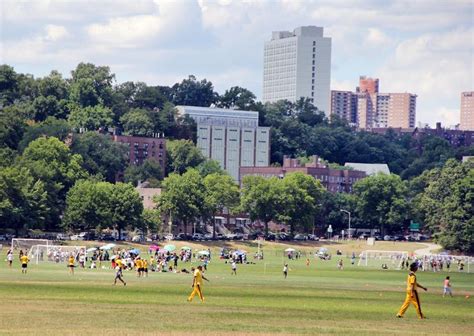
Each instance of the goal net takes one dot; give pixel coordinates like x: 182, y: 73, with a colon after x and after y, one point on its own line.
x: 25, y: 244
x: 446, y: 262
x: 383, y: 259
x: 54, y: 253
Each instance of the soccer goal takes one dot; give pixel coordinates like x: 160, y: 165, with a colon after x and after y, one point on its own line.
x: 447, y: 262
x: 54, y: 253
x: 25, y: 244
x: 382, y: 259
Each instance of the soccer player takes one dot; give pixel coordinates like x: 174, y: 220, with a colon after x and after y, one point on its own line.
x: 447, y: 287
x: 139, y: 266
x: 145, y: 267
x: 412, y: 293
x: 10, y: 258
x: 234, y: 268
x: 285, y: 270
x: 24, y: 263
x: 197, y: 284
x: 118, y: 273
x: 71, y: 264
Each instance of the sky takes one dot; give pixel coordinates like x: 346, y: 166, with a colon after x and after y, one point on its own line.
x: 424, y: 47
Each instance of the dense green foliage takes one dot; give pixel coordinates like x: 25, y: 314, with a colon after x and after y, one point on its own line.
x: 40, y: 119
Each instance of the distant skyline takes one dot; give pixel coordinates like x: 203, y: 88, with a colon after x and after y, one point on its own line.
x: 422, y: 47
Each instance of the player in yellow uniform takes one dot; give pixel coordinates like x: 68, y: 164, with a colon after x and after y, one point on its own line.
x: 197, y: 284
x: 24, y: 263
x: 145, y: 267
x: 118, y: 272
x: 412, y: 293
x: 139, y: 266
x: 71, y: 264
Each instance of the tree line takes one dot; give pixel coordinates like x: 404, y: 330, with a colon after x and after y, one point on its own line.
x: 44, y: 161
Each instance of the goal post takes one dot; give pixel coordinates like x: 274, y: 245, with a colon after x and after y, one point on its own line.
x: 377, y: 258
x: 26, y: 243
x: 54, y: 253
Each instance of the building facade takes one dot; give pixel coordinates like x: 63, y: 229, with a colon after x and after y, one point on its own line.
x: 334, y: 180
x: 144, y: 148
x: 375, y: 109
x: 231, y: 137
x: 298, y: 64
x: 467, y: 111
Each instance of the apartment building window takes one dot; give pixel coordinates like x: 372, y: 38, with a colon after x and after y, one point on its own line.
x: 312, y: 75
x: 312, y: 81
x: 314, y: 43
x: 314, y: 50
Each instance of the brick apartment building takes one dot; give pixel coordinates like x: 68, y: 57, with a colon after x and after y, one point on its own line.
x: 455, y: 137
x: 144, y: 148
x: 334, y: 180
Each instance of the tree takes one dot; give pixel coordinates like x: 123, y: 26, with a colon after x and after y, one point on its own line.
x: 23, y: 202
x: 99, y: 205
x: 182, y: 197
x: 137, y: 122
x: 183, y: 154
x: 220, y: 192
x: 447, y: 205
x: 209, y: 167
x: 381, y: 201
x: 262, y: 198
x: 91, y: 85
x: 91, y: 117
x: 88, y: 206
x: 101, y: 155
x: 152, y: 221
x: 149, y: 170
x: 53, y: 85
x: 302, y: 194
x: 237, y: 97
x: 8, y: 85
x: 126, y: 207
x: 12, y: 127
x: 50, y: 161
x: 51, y: 127
x: 193, y: 92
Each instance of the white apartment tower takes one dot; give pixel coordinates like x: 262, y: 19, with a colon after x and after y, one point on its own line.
x: 298, y: 64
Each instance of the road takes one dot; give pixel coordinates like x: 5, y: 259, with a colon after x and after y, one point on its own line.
x: 427, y: 250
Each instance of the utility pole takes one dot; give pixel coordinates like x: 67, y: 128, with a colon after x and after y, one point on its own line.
x: 349, y: 235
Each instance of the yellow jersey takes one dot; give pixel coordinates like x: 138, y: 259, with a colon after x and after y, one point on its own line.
x: 119, y: 263
x: 197, y: 278
x: 71, y: 261
x: 411, y: 282
x: 24, y: 259
x: 139, y: 263
x: 145, y: 263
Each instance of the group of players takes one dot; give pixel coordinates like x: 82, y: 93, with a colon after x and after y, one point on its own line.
x: 141, y: 267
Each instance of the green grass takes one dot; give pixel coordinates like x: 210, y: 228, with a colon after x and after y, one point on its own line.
x: 318, y: 299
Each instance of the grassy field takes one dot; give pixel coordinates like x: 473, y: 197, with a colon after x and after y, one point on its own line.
x: 318, y: 299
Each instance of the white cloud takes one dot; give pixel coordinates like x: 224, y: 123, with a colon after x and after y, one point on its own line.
x: 55, y: 32
x: 376, y: 37
x: 436, y: 67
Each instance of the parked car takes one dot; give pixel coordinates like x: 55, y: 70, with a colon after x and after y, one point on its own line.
x: 208, y: 236
x: 313, y: 237
x: 300, y: 237
x: 198, y: 237
x: 220, y: 236
x: 76, y: 237
x: 183, y: 236
x: 107, y: 237
x: 238, y: 236
x: 62, y: 236
x: 284, y: 236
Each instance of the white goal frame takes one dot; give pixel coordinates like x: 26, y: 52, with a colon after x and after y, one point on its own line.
x: 34, y: 254
x: 28, y: 240
x: 467, y: 260
x: 381, y: 255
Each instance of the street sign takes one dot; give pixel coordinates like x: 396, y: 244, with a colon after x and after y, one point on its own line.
x: 414, y: 226
x: 330, y: 229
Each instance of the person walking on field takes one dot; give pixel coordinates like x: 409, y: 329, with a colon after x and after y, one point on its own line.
x: 412, y: 293
x: 447, y: 287
x: 10, y: 258
x: 118, y: 272
x: 285, y: 270
x: 71, y: 264
x: 234, y: 268
x: 197, y: 284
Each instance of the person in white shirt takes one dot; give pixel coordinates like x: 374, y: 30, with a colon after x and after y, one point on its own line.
x: 10, y: 258
x: 234, y: 268
x: 285, y: 270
